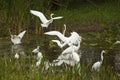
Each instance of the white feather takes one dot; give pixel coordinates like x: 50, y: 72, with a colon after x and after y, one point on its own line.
x: 40, y: 15
x: 58, y: 34
x: 16, y: 39
x: 69, y: 49
x: 57, y: 18
x: 96, y: 66
x: 44, y: 20
x: 73, y: 39
x: 21, y: 34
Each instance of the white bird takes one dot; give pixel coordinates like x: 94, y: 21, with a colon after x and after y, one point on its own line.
x: 16, y: 56
x: 45, y: 22
x: 70, y: 58
x: 16, y: 39
x: 38, y: 63
x: 73, y: 39
x: 96, y: 65
x: 69, y: 49
x: 36, y: 50
x: 39, y: 56
x: 59, y: 43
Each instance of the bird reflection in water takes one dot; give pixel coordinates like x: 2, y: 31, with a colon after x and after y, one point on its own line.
x: 18, y: 50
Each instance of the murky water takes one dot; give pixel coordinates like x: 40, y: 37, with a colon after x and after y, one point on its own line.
x: 51, y: 51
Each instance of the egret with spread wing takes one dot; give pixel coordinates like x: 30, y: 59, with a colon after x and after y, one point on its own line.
x: 16, y: 39
x: 59, y: 43
x: 73, y: 39
x: 44, y: 20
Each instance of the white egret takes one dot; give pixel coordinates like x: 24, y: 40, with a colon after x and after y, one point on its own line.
x: 70, y: 57
x: 69, y: 49
x: 16, y: 56
x: 39, y: 56
x: 45, y: 22
x: 36, y: 50
x: 96, y: 65
x: 59, y: 42
x: 16, y: 39
x: 73, y: 39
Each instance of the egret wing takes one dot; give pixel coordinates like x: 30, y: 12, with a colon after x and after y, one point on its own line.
x: 68, y: 50
x: 58, y: 43
x: 40, y: 15
x: 58, y: 34
x: 21, y: 34
x: 58, y: 17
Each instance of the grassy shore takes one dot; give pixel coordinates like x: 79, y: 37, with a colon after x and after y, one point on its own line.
x: 24, y: 69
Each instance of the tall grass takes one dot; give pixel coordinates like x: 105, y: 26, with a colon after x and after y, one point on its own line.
x: 15, y: 15
x: 24, y: 69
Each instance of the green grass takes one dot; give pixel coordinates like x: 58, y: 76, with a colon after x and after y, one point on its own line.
x: 24, y: 69
x: 91, y: 13
x: 16, y: 17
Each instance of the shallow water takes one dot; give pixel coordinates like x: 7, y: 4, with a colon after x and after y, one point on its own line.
x: 51, y: 51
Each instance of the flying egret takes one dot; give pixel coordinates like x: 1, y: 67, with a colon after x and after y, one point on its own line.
x: 45, y: 22
x: 59, y: 42
x: 73, y: 39
x: 39, y: 56
x: 16, y: 39
x: 96, y: 65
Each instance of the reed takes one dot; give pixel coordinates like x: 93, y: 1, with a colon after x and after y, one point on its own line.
x: 16, y: 16
x: 24, y: 68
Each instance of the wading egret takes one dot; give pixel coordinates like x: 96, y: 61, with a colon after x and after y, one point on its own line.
x: 36, y: 50
x: 16, y: 56
x: 96, y: 65
x: 73, y: 39
x: 16, y: 39
x: 45, y: 22
x: 39, y: 56
x: 70, y: 58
